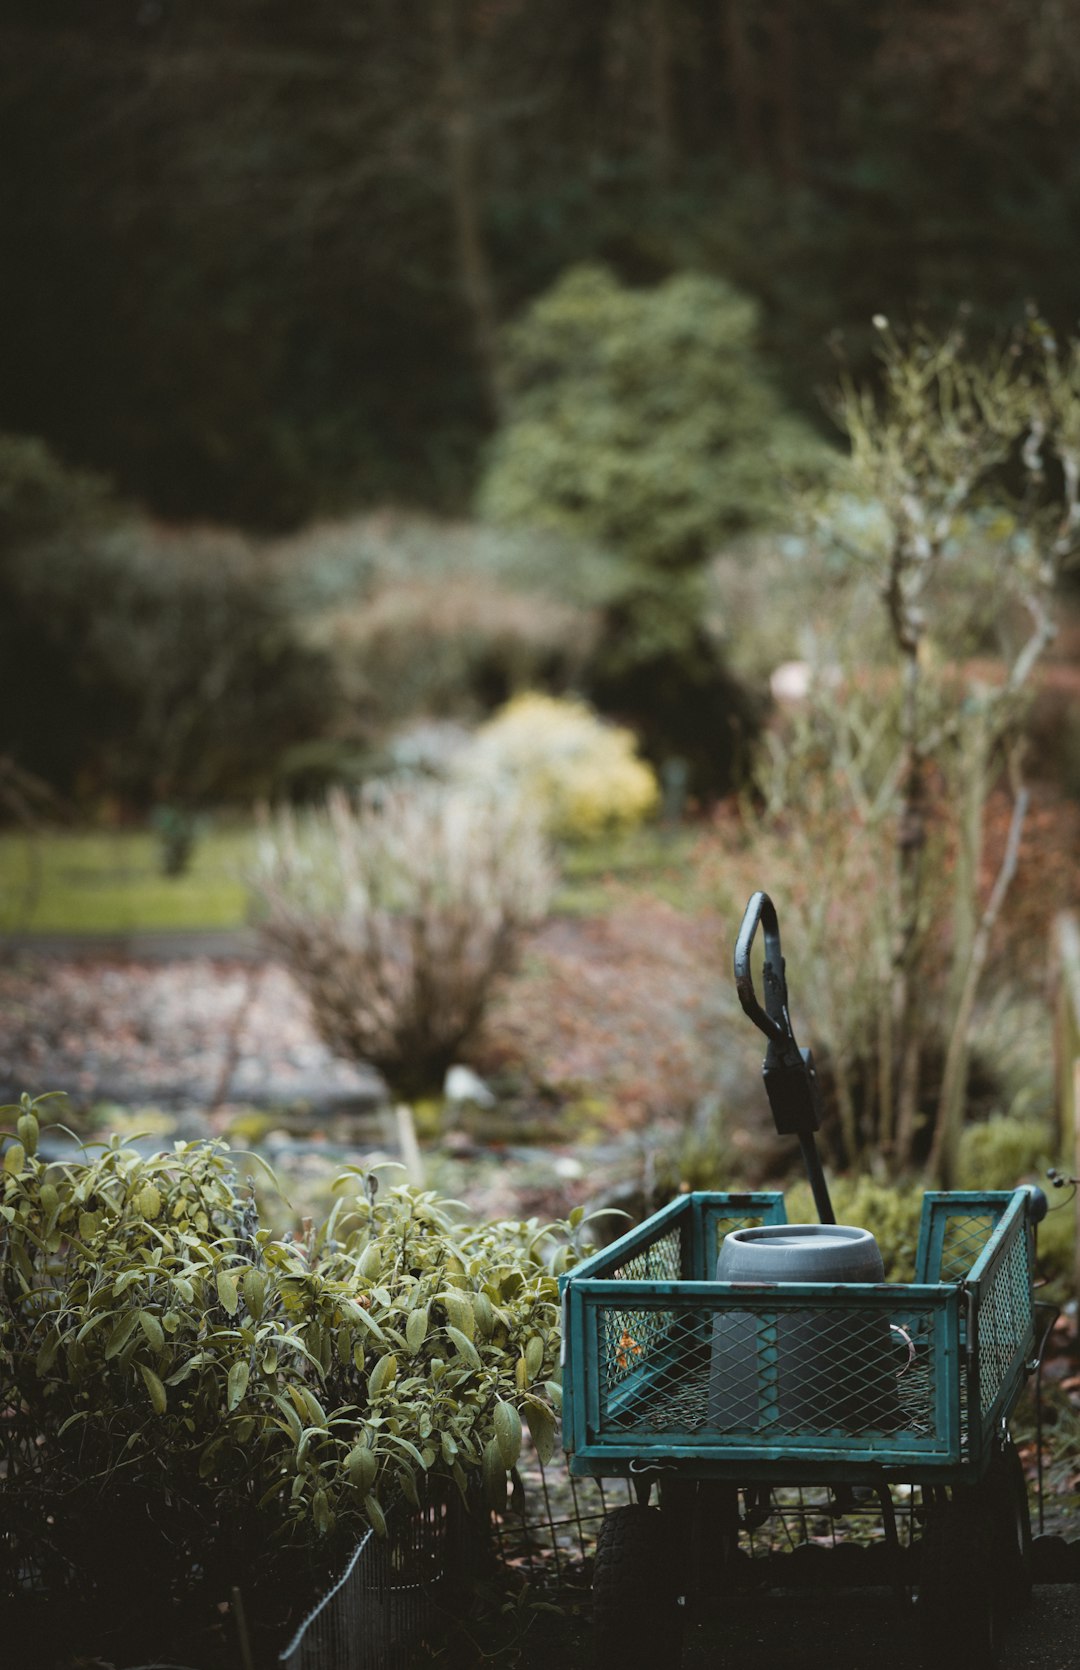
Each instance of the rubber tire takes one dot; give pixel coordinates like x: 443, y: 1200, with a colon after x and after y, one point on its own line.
x: 1007, y: 1501
x: 637, y: 1621
x: 961, y: 1611
x: 701, y: 1524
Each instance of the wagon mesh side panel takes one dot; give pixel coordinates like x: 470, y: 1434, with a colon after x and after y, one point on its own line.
x: 966, y: 1234
x: 630, y: 1339
x: 723, y: 1373
x: 776, y: 1374
x: 1004, y: 1320
x: 723, y: 1228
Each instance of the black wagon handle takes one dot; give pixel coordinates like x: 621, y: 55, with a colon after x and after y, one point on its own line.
x: 773, y: 1020
x: 790, y: 1080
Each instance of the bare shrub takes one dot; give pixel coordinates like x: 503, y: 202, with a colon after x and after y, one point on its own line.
x: 878, y: 793
x: 419, y: 645
x: 398, y: 913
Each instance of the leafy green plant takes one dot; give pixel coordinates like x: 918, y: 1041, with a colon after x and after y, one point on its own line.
x: 421, y: 645
x: 998, y: 1153
x: 184, y: 681
x: 177, y: 831
x: 420, y: 618
x: 398, y: 913
x: 229, y: 1394
x: 39, y: 495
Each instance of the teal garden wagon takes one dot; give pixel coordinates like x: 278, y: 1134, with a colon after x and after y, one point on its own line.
x: 711, y: 1395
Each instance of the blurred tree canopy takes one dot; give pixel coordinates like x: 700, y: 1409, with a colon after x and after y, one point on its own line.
x: 257, y: 255
x: 140, y: 663
x: 640, y: 419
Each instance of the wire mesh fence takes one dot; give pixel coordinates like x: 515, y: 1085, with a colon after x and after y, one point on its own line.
x: 397, y: 1593
x: 392, y: 1596
x: 550, y: 1529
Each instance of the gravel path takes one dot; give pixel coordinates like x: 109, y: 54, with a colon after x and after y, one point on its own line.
x: 190, y: 1048
x: 193, y: 1033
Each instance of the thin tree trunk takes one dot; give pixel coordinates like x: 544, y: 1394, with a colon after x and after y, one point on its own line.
x: 941, y: 1166
x: 474, y: 268
x: 785, y: 91
x: 974, y: 769
x: 885, y: 1132
x: 743, y: 85
x: 660, y: 63
x: 910, y: 850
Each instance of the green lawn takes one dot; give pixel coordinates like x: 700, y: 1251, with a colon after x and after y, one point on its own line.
x: 651, y: 858
x: 111, y: 882
x: 93, y: 881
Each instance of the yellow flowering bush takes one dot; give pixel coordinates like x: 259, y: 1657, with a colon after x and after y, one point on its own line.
x: 582, y: 775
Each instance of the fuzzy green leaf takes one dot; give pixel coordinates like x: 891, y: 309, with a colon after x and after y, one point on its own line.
x: 542, y: 1426
x: 314, y: 1408
x: 359, y: 1314
x: 148, y: 1201
x: 484, y: 1313
x: 227, y: 1291
x: 158, y: 1395
x: 361, y: 1466
x: 464, y: 1347
x: 534, y: 1358
x: 494, y: 1477
x: 120, y: 1335
x: 153, y: 1330
x: 46, y: 1355
x: 507, y: 1432
x: 460, y: 1313
x: 238, y: 1383
x: 253, y: 1287
x: 416, y: 1328
x: 382, y: 1375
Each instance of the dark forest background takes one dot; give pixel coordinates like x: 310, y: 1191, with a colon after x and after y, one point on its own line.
x: 256, y: 254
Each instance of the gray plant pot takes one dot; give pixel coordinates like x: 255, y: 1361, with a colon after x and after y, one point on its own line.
x: 815, y: 1370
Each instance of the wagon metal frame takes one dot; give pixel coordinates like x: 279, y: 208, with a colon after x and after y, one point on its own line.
x: 639, y: 1329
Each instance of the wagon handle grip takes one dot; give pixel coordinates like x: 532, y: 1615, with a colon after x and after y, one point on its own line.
x: 790, y: 1080
x: 774, y: 1019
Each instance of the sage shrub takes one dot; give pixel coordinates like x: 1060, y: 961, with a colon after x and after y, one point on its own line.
x: 171, y: 1372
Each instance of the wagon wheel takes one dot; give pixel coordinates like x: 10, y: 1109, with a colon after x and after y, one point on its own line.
x: 637, y: 1621
x: 1006, y: 1491
x: 701, y: 1527
x: 959, y: 1606
x: 976, y: 1566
